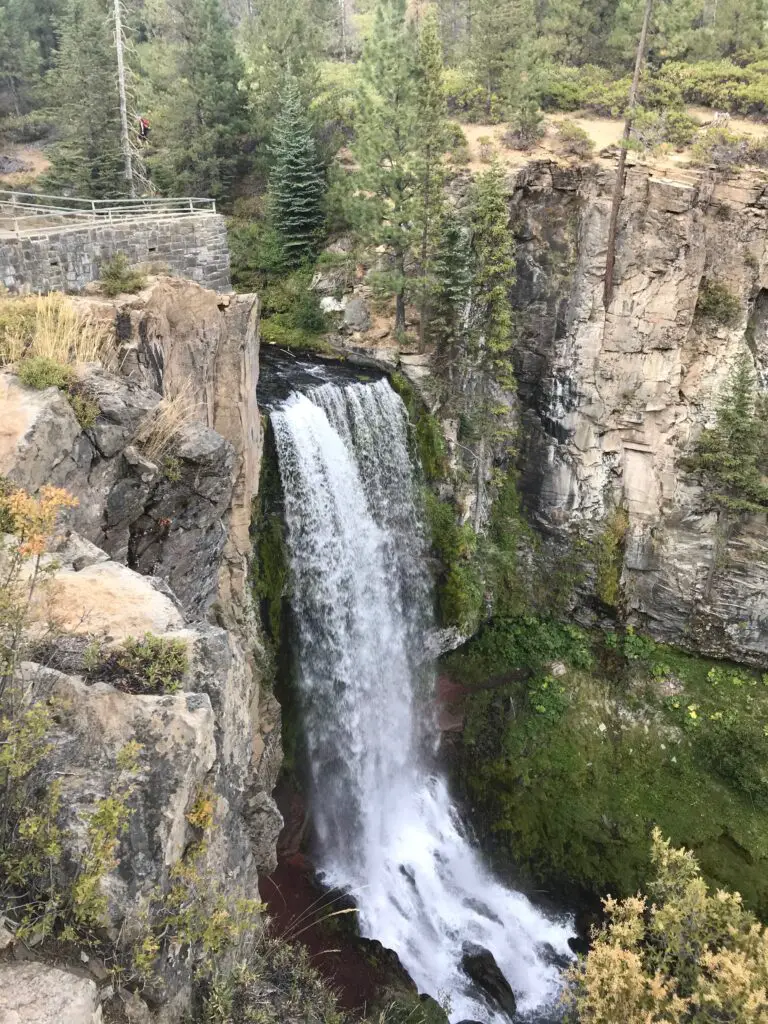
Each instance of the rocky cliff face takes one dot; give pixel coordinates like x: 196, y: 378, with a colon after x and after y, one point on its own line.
x: 158, y: 545
x: 612, y: 399
x: 609, y: 401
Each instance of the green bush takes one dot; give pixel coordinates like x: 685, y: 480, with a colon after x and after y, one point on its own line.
x: 117, y: 277
x: 721, y: 148
x: 40, y: 372
x: 609, y: 558
x: 467, y: 99
x: 717, y: 303
x: 574, y: 139
x: 526, y: 128
x: 654, y: 128
x: 152, y: 664
x: 721, y: 84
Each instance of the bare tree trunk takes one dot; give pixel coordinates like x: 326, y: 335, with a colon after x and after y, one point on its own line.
x: 423, y: 303
x: 480, y: 485
x: 618, y: 187
x: 124, y: 133
x: 343, y: 5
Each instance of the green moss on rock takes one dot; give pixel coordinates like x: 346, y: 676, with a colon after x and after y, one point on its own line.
x: 570, y: 768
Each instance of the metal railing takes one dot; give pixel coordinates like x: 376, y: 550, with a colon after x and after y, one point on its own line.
x: 26, y: 212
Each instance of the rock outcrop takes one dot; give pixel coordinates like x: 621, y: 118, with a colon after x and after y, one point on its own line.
x: 613, y: 399
x: 157, y: 544
x: 609, y: 401
x: 34, y: 993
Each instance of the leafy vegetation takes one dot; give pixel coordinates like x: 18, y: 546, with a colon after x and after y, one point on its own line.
x: 40, y: 372
x: 717, y: 303
x: 574, y: 139
x: 580, y: 743
x: 117, y: 277
x: 609, y: 557
x: 151, y: 664
x: 682, y: 953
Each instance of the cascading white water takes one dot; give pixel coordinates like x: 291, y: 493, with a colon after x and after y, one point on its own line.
x: 361, y: 599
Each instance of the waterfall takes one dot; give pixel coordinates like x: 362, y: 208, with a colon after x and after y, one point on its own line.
x: 361, y: 598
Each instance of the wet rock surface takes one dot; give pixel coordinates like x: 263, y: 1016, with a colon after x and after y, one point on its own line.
x: 480, y: 967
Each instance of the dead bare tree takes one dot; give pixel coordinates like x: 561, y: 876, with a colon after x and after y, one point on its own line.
x: 618, y: 187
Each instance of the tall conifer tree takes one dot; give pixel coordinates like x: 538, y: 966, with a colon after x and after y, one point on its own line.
x: 385, y: 146
x: 431, y: 143
x: 88, y: 160
x: 202, y: 123
x: 295, y: 183
x: 494, y: 273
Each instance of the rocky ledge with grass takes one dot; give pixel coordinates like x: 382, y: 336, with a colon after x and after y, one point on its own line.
x: 135, y: 644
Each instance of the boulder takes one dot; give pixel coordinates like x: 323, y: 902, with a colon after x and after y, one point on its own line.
x: 104, y: 598
x: 357, y: 316
x: 178, y: 749
x: 479, y: 964
x: 123, y: 404
x: 38, y: 435
x: 35, y: 993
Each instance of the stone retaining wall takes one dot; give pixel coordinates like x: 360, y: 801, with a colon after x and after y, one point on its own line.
x: 193, y: 246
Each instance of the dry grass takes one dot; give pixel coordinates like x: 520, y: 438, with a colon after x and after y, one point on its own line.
x: 160, y: 428
x: 50, y: 327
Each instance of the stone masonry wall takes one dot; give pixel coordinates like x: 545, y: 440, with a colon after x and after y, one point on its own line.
x: 194, y: 247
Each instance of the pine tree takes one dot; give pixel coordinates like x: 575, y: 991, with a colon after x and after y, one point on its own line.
x: 450, y: 306
x: 494, y: 274
x: 502, y: 35
x: 202, y: 123
x: 385, y: 145
x: 296, y: 184
x: 732, y: 456
x: 19, y: 54
x: 432, y: 118
x: 88, y: 160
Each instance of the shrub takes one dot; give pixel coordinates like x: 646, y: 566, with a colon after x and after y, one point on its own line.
x: 526, y: 128
x: 674, y: 955
x: 485, y: 143
x: 717, y: 303
x: 40, y: 372
x: 117, y: 277
x: 574, y: 139
x: 460, y: 156
x: 721, y: 148
x: 466, y: 97
x: 153, y: 664
x: 653, y: 128
x: 609, y: 558
x: 84, y: 408
x: 30, y: 839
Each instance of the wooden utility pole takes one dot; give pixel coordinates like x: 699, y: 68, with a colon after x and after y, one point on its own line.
x: 124, y: 131
x: 618, y: 187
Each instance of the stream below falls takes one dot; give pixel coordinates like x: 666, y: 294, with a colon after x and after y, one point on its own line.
x: 385, y: 827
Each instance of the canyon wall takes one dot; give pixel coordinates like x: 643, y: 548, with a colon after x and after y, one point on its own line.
x: 612, y: 399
